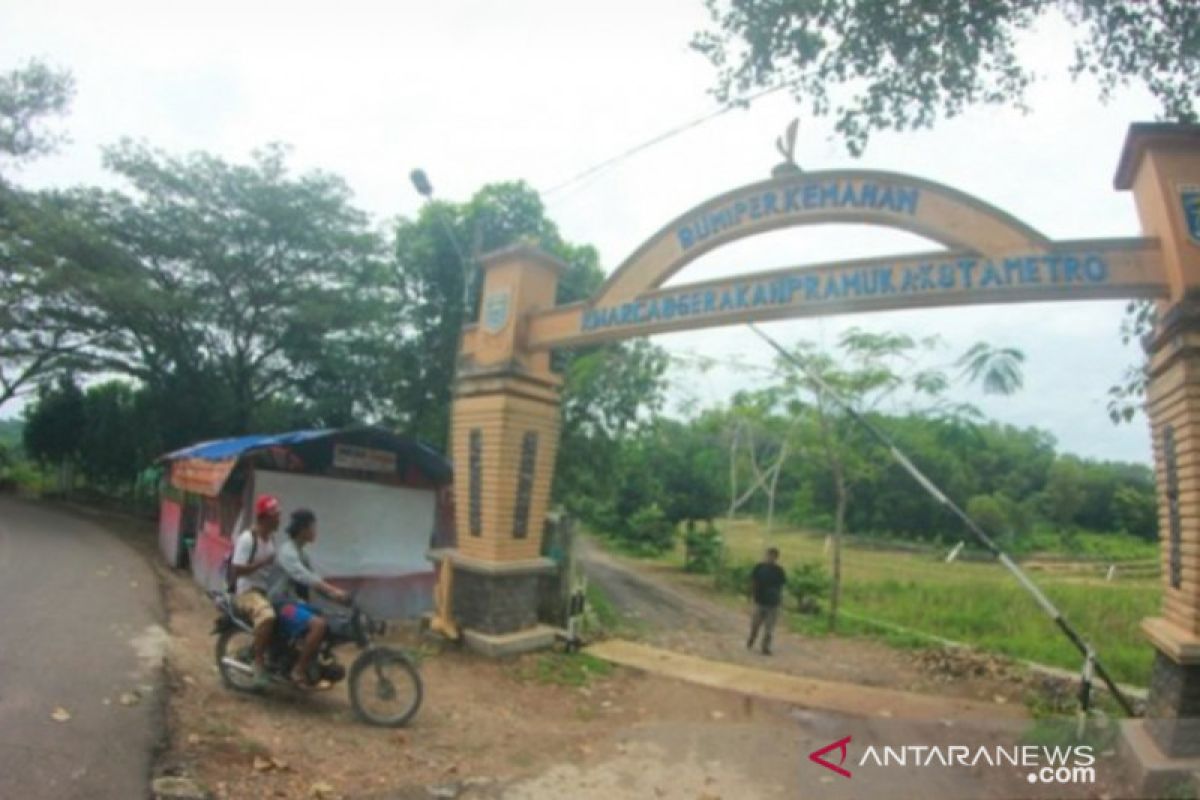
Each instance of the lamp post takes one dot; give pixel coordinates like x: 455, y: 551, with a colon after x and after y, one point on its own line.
x: 424, y: 187
x: 421, y: 183
x: 442, y: 620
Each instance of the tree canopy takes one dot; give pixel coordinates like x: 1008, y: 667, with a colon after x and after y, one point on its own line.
x: 31, y: 346
x: 29, y: 95
x: 906, y: 64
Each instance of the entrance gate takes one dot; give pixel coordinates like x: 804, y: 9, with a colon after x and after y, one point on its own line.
x: 505, y: 416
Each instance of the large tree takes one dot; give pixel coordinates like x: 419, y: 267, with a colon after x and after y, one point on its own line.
x: 31, y: 347
x: 437, y: 262
x: 235, y: 283
x: 905, y: 64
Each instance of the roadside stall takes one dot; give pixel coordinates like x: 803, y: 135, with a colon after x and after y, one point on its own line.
x: 382, y: 502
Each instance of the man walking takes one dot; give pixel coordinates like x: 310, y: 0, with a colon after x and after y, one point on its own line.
x: 767, y: 580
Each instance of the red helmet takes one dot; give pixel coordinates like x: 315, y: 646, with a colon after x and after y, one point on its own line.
x: 266, y: 506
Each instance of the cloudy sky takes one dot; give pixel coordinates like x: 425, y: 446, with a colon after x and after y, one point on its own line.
x: 482, y: 91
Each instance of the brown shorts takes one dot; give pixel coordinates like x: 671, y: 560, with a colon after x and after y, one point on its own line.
x: 255, y: 607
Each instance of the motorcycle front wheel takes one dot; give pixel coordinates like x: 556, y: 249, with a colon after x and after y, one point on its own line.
x: 235, y: 659
x: 385, y: 687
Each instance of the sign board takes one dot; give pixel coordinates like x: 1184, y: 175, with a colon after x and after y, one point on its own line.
x: 365, y: 459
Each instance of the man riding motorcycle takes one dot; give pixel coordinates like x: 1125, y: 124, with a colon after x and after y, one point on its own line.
x: 291, y: 592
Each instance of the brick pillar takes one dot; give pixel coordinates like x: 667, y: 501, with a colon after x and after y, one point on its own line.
x: 1161, y: 164
x: 1173, y: 709
x: 505, y: 425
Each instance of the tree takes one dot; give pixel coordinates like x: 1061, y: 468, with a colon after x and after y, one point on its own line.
x: 31, y: 347
x: 997, y: 369
x: 28, y: 96
x: 54, y: 427
x: 116, y: 443
x: 607, y: 389
x: 241, y: 282
x: 1064, y: 494
x: 1136, y: 511
x: 609, y: 395
x: 756, y: 442
x: 868, y: 374
x: 687, y: 465
x: 442, y: 292
x: 904, y: 65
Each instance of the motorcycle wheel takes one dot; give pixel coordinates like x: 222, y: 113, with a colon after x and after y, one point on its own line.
x: 385, y: 687
x: 238, y: 645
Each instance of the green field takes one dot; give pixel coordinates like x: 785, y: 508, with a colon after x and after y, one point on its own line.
x: 979, y: 603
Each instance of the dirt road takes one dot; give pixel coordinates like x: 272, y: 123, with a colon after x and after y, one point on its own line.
x: 669, y: 610
x: 82, y: 645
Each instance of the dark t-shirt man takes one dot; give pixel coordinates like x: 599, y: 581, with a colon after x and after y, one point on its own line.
x: 768, y: 579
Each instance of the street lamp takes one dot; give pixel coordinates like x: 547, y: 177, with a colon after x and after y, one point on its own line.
x: 420, y: 182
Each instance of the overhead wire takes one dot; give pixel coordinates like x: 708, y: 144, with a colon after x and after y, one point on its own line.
x: 740, y: 102
x: 1091, y: 659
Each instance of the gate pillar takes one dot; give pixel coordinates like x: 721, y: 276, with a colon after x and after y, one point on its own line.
x: 1161, y: 164
x: 504, y: 435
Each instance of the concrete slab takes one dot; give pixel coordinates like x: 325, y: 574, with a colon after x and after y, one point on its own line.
x: 845, y: 698
x: 1156, y: 773
x: 510, y: 644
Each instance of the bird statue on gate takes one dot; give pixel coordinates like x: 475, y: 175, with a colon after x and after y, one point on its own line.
x: 786, y: 145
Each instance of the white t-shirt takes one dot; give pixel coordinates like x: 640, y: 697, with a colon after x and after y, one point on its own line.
x: 261, y: 578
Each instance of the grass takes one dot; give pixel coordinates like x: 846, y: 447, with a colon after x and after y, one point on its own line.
x: 562, y: 669
x: 976, y: 603
x: 599, y: 604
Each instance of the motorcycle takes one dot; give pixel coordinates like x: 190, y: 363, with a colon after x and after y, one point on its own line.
x: 385, y: 687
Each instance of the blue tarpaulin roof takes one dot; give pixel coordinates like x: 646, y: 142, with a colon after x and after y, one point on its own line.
x: 414, y: 451
x: 221, y: 449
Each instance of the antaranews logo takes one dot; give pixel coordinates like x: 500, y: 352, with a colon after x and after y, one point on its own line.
x: 818, y: 756
x: 1041, y: 764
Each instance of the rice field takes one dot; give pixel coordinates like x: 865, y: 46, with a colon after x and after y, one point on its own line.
x: 980, y: 603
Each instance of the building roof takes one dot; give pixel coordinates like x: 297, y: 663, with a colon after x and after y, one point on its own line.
x: 205, y: 467
x: 221, y: 449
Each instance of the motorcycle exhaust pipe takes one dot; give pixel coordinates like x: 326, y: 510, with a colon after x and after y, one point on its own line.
x: 233, y: 663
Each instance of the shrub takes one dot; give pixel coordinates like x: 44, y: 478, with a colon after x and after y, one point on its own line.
x: 734, y: 577
x: 808, y: 583
x: 649, y: 530
x: 703, y: 548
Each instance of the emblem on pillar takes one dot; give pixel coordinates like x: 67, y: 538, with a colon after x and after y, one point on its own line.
x: 495, y: 310
x: 1189, y: 197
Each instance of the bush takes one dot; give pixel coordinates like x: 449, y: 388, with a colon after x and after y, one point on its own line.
x: 734, y: 577
x: 649, y: 530
x: 809, y: 584
x: 24, y: 475
x: 703, y: 548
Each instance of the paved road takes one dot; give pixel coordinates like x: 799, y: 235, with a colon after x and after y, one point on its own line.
x: 80, y: 625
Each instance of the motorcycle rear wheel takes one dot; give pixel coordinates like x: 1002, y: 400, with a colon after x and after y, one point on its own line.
x: 385, y: 687
x: 238, y: 645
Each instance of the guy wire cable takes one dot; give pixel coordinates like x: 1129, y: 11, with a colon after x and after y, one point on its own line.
x: 1046, y: 604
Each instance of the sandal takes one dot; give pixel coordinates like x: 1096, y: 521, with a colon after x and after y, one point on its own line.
x: 305, y: 685
x: 300, y: 682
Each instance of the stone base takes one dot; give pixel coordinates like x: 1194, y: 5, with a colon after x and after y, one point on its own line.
x: 494, y: 599
x: 510, y: 644
x: 1173, y: 709
x: 1155, y: 774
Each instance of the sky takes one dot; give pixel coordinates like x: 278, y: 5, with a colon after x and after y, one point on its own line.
x: 476, y: 92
